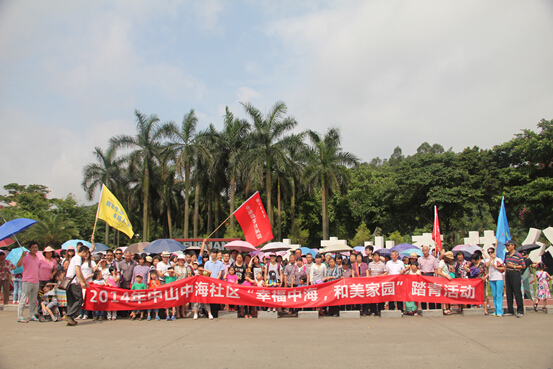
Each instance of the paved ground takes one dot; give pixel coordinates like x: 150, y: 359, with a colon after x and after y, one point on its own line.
x: 411, y: 342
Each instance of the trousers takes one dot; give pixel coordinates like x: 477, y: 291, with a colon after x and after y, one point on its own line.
x: 513, y: 284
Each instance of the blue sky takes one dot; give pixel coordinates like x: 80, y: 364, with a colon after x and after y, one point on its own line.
x: 387, y: 73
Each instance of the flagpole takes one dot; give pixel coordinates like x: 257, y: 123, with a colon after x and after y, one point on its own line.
x: 97, y: 210
x: 224, y: 221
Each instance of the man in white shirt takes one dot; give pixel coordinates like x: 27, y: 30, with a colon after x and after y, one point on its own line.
x: 74, y: 291
x: 162, y: 266
x: 395, y: 267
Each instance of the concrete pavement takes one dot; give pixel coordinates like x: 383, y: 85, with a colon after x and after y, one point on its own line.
x: 409, y: 342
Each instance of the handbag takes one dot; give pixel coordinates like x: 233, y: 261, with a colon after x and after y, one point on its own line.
x: 65, y: 282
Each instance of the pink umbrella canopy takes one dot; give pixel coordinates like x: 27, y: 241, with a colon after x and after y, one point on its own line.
x: 240, y: 246
x: 6, y: 242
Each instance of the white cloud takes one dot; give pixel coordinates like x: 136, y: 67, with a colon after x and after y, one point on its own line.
x: 388, y: 74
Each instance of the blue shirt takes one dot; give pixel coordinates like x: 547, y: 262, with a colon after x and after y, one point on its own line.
x: 214, y: 268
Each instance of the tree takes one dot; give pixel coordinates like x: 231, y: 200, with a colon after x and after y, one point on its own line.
x: 363, y: 234
x: 52, y: 230
x: 146, y: 146
x: 107, y: 170
x: 231, y: 146
x: 327, y: 167
x: 270, y: 144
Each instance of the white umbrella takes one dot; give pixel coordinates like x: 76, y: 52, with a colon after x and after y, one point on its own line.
x: 275, y: 247
x: 337, y: 247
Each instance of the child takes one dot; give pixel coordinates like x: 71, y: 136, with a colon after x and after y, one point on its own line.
x: 61, y: 295
x: 231, y: 275
x: 98, y: 280
x: 303, y: 281
x: 543, y: 278
x: 259, y: 282
x: 113, y: 281
x: 411, y: 307
x: 170, y: 277
x: 273, y: 282
x: 154, y: 283
x: 49, y: 303
x: 248, y: 281
x: 138, y: 285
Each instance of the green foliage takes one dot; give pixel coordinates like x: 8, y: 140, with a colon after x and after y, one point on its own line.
x: 52, y: 230
x: 298, y: 235
x: 237, y: 233
x: 396, y: 237
x: 363, y: 234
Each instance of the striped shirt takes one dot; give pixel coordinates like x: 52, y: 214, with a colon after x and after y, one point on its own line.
x: 516, y: 259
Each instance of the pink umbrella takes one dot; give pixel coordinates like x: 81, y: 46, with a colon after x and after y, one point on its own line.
x: 240, y: 246
x: 6, y: 242
x: 456, y: 248
x: 260, y: 254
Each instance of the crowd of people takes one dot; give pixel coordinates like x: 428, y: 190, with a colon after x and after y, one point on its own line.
x: 39, y: 284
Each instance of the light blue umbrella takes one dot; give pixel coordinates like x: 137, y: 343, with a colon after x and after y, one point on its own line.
x: 74, y: 243
x: 306, y: 250
x: 408, y: 252
x: 14, y: 257
x: 12, y: 227
x: 164, y: 244
x: 98, y: 247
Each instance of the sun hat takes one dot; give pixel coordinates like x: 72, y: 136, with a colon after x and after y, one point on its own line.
x: 181, y: 256
x: 2, y: 252
x: 48, y: 249
x: 413, y: 255
x: 149, y: 259
x: 449, y: 255
x: 165, y: 253
x: 71, y: 248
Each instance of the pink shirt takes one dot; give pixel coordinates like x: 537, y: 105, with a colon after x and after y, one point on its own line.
x: 428, y: 264
x: 45, y: 269
x: 30, y: 268
x: 233, y: 278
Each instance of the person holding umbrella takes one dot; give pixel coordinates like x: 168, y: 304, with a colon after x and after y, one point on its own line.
x: 29, y: 261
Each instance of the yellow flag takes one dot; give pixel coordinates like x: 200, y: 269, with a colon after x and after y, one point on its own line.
x: 110, y: 210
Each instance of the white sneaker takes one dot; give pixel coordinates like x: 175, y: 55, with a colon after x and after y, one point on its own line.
x: 78, y: 318
x: 195, y: 316
x: 210, y: 316
x: 85, y: 317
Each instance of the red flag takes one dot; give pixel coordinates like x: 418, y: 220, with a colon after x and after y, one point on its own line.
x: 436, y: 236
x: 254, y: 221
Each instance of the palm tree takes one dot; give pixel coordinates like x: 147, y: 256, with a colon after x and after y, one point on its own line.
x: 107, y: 170
x: 327, y: 167
x: 231, y: 144
x: 146, y: 145
x: 186, y: 149
x: 52, y: 230
x: 270, y: 143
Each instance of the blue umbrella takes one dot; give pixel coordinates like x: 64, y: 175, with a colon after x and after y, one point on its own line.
x: 306, y: 250
x: 384, y: 252
x: 409, y: 251
x: 74, y: 243
x: 100, y: 247
x: 12, y: 227
x: 403, y: 246
x: 14, y: 257
x: 164, y: 244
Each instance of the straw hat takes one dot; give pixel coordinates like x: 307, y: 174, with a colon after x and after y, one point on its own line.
x: 449, y: 255
x: 48, y: 249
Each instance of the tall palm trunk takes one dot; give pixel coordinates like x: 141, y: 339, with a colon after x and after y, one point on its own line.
x: 293, y: 203
x: 268, y: 189
x: 279, y: 212
x: 186, y: 200
x: 196, y: 210
x: 169, y: 225
x: 106, y: 237
x: 146, y: 189
x: 209, y: 215
x: 232, y: 184
x: 326, y: 234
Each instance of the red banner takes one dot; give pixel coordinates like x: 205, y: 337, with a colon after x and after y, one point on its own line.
x: 254, y: 221
x: 348, y: 291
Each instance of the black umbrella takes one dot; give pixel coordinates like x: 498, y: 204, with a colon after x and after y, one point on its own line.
x: 528, y: 248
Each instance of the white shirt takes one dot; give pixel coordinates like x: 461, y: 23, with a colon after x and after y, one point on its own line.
x: 87, y: 269
x: 75, y: 261
x: 495, y: 275
x: 395, y: 268
x: 317, y: 272
x: 162, y: 267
